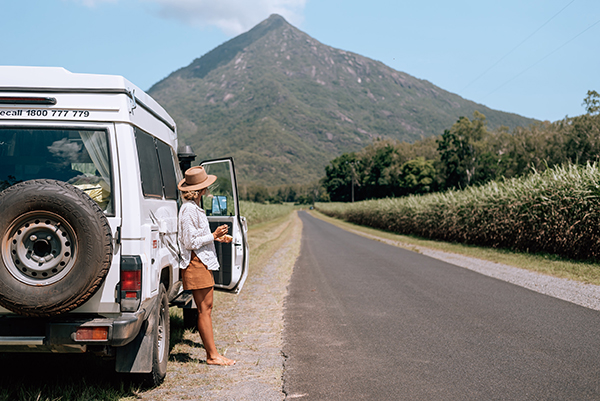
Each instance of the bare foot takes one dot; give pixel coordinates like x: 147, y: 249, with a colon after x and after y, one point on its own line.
x: 221, y: 361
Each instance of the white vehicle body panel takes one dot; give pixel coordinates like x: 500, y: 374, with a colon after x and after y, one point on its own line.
x: 141, y: 142
x: 103, y: 102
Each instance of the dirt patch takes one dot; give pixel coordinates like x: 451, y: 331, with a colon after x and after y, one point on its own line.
x: 248, y: 328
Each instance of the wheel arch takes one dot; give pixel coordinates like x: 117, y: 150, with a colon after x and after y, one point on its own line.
x: 166, y: 277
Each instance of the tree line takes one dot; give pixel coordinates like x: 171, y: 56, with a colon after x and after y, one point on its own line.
x: 466, y: 154
x: 302, y: 194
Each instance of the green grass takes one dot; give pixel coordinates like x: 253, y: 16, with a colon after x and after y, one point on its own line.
x: 257, y: 213
x: 556, y: 212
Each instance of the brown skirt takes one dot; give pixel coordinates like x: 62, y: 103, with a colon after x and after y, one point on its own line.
x: 197, y: 276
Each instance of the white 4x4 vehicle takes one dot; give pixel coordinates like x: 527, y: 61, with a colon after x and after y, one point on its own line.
x: 88, y: 219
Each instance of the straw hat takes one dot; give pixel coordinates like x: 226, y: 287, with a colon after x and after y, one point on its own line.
x: 196, y: 179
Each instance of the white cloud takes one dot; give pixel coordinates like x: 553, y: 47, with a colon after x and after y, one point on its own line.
x: 231, y: 16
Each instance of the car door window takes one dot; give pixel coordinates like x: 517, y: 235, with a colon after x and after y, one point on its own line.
x: 149, y: 167
x: 157, y: 168
x: 167, y: 169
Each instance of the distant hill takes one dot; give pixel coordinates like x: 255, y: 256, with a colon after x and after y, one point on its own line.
x: 283, y: 104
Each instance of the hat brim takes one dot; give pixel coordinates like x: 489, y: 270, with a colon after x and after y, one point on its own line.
x: 196, y: 187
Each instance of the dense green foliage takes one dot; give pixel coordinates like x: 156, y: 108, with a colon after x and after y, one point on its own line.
x: 283, y: 104
x: 384, y: 168
x: 556, y: 212
x: 460, y: 157
x: 592, y: 102
x: 468, y: 153
x: 301, y: 194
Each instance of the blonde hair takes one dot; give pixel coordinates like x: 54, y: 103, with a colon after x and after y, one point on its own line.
x: 192, y: 195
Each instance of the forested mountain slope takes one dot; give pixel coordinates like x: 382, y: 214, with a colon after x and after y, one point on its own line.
x: 283, y: 104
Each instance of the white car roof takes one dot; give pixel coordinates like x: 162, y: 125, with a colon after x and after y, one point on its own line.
x: 58, y: 79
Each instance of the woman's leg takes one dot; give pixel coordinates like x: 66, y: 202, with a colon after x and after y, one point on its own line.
x: 204, y: 302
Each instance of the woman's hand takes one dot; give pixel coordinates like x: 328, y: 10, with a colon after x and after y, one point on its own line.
x: 226, y: 239
x: 220, y: 232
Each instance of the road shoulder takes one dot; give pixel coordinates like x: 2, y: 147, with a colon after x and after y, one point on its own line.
x: 248, y: 327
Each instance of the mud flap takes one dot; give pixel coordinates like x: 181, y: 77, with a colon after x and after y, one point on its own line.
x: 136, y: 356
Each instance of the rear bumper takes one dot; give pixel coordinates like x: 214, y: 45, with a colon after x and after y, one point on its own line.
x: 25, y: 334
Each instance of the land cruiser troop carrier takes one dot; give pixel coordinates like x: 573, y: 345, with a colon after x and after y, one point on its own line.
x: 88, y: 219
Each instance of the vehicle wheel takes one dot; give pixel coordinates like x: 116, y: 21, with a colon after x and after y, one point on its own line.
x: 190, y: 319
x: 161, y: 335
x: 56, y: 248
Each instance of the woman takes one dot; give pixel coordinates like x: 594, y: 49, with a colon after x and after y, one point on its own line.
x: 199, y: 255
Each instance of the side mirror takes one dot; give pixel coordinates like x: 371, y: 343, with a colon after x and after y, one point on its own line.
x: 219, y: 205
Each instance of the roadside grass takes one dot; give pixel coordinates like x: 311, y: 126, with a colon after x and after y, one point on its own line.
x: 256, y: 213
x: 83, y: 377
x: 552, y: 265
x: 555, y: 212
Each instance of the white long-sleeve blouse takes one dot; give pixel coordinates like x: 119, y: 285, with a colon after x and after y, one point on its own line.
x: 195, y: 235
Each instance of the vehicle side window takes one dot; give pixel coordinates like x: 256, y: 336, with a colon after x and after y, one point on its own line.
x: 167, y: 168
x: 149, y: 167
x: 157, y: 167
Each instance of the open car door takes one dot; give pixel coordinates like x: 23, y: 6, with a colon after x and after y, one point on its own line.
x: 221, y: 205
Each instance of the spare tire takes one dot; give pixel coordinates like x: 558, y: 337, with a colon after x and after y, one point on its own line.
x: 56, y: 248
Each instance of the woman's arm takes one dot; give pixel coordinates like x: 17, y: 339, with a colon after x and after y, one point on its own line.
x: 195, y: 230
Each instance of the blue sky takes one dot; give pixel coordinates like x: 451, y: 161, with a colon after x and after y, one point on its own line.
x: 531, y: 57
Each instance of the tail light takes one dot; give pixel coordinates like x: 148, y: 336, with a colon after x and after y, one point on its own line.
x: 131, y: 283
x: 92, y: 334
x: 130, y: 291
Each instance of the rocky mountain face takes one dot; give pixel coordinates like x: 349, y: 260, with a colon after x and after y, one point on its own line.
x: 283, y: 104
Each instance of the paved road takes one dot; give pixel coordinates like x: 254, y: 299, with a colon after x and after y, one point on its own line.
x: 366, y: 320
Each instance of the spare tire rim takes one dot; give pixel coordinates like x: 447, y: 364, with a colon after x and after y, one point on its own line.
x: 39, y: 248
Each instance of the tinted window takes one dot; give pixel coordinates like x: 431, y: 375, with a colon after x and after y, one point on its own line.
x: 78, y: 157
x: 149, y: 167
x: 167, y: 168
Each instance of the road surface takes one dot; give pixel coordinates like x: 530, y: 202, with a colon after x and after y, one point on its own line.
x: 366, y: 320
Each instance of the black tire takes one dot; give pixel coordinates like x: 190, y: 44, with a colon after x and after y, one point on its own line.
x: 161, y: 335
x: 56, y: 248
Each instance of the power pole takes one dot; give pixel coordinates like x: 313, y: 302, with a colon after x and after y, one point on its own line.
x: 353, y: 179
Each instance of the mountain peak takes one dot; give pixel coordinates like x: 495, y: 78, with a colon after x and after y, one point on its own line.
x: 224, y: 53
x: 274, y: 21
